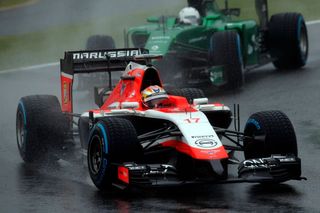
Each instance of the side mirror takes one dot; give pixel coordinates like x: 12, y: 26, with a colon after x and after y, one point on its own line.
x: 200, y: 101
x: 129, y: 105
x: 100, y: 95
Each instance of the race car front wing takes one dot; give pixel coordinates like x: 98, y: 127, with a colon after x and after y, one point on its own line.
x: 276, y: 168
x: 273, y: 169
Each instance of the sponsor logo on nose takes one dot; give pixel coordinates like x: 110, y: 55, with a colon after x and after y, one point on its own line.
x: 206, y: 143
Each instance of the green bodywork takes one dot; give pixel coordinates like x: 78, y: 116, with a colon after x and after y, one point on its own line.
x: 166, y: 36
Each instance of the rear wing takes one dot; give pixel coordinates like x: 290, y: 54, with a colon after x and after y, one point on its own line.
x: 91, y: 61
x: 77, y: 62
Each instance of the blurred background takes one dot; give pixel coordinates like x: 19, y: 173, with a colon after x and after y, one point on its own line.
x: 39, y: 31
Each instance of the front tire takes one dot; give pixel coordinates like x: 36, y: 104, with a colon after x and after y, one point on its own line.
x: 112, y: 141
x: 267, y: 133
x: 288, y: 40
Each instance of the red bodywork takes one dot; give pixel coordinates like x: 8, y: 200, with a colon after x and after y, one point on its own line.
x: 66, y: 92
x: 128, y: 90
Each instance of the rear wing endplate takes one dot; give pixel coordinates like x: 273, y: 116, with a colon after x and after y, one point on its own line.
x: 91, y: 61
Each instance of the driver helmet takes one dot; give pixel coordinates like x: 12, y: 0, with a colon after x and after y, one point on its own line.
x: 189, y: 15
x: 153, y: 95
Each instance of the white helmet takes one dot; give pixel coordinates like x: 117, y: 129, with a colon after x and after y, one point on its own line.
x: 189, y: 15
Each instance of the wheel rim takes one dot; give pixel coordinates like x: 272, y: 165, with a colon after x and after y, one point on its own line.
x: 20, y: 128
x: 95, y: 155
x: 303, y: 42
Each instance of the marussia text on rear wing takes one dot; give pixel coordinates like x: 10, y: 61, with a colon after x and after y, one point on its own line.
x: 98, y: 60
x: 91, y: 61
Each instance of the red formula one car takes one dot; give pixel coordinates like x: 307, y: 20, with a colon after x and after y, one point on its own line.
x: 142, y: 135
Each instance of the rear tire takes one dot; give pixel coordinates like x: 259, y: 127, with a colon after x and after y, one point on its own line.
x: 225, y: 50
x: 269, y: 132
x: 288, y: 40
x: 188, y: 93
x: 112, y: 140
x: 40, y: 126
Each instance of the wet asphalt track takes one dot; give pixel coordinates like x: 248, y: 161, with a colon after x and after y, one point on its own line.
x: 67, y: 187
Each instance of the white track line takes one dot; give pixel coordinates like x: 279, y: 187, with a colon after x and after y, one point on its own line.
x: 57, y: 63
x: 39, y: 66
x: 313, y: 22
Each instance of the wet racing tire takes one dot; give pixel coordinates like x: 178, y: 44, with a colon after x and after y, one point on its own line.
x: 112, y: 141
x: 188, y: 93
x: 288, y: 40
x: 40, y: 127
x: 225, y: 50
x: 100, y: 42
x: 267, y: 133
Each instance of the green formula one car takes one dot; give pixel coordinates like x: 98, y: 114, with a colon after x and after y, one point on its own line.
x: 206, y: 45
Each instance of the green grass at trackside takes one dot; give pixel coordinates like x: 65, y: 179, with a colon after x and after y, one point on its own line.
x: 309, y: 8
x: 11, y: 3
x: 49, y: 45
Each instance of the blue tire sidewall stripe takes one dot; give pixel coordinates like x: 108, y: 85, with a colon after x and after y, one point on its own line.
x: 253, y: 122
x: 104, y: 134
x: 300, y: 21
x: 104, y: 163
x: 22, y: 108
x: 24, y: 112
x: 239, y: 49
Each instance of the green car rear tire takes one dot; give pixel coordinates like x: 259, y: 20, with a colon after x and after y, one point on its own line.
x: 288, y: 40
